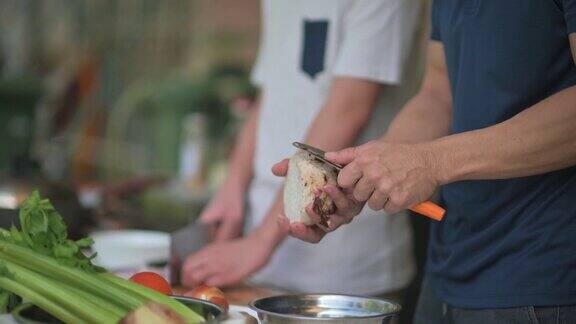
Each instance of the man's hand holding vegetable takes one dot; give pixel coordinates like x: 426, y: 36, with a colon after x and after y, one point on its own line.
x: 346, y: 208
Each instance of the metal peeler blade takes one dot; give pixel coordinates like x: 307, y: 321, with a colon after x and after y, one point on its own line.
x: 318, y: 153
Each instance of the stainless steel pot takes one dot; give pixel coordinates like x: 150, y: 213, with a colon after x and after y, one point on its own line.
x: 320, y: 308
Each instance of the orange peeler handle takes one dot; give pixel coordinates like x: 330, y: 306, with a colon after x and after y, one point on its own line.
x: 429, y: 209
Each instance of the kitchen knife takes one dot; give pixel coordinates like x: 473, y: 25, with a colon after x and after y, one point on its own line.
x: 186, y: 241
x: 426, y: 208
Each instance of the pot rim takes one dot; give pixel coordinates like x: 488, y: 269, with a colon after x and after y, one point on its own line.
x: 397, y: 310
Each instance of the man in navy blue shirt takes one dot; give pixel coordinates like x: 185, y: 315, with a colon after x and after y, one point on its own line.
x: 494, y: 129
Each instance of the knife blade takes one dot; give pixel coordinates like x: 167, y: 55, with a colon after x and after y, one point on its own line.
x: 426, y: 208
x: 186, y: 241
x: 318, y: 154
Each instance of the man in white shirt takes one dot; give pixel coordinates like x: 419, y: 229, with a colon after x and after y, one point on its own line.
x: 332, y: 73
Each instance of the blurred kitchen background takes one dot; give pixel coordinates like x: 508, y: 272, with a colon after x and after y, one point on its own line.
x: 122, y: 112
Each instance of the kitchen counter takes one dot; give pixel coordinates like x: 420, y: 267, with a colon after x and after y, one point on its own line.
x: 244, y: 294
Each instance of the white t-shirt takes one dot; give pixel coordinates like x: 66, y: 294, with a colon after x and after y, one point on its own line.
x: 304, y: 45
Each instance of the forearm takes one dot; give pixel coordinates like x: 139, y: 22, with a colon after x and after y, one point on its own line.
x: 424, y: 118
x: 269, y: 231
x: 538, y: 140
x: 344, y: 114
x: 240, y: 170
x: 324, y: 134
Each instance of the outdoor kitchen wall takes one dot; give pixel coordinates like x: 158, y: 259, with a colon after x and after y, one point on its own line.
x: 126, y: 102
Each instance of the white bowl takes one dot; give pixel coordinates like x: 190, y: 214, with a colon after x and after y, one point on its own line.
x: 125, y: 249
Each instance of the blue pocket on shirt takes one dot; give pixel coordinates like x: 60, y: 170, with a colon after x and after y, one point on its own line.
x: 314, y: 47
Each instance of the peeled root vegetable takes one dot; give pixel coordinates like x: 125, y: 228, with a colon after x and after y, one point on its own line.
x: 304, y: 183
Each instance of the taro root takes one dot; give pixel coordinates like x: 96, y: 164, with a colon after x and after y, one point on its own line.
x: 305, y: 180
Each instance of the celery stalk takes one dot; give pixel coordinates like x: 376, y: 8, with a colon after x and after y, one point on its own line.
x: 84, y: 308
x: 80, y: 279
x: 39, y: 300
x: 104, y: 303
x: 41, y: 258
x: 187, y: 314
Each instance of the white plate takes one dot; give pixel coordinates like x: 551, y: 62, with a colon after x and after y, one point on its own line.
x: 125, y: 249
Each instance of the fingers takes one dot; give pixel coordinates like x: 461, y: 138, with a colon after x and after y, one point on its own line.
x: 283, y: 223
x: 345, y: 205
x: 349, y: 176
x: 314, y: 217
x: 281, y: 168
x: 209, y: 275
x: 221, y: 280
x: 311, y: 234
x: 363, y: 189
x: 336, y: 221
x: 229, y: 229
x: 209, y: 215
x: 199, y: 276
x: 344, y: 156
x: 377, y: 201
x: 328, y: 223
x: 340, y: 200
x: 195, y: 270
x: 391, y: 208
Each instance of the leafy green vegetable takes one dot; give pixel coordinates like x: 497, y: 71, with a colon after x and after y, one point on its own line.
x: 8, y: 301
x: 43, y: 230
x: 39, y: 300
x: 39, y: 263
x: 88, y: 309
x: 67, y: 274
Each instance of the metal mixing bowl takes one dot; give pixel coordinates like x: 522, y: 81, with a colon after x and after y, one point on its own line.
x: 318, y: 308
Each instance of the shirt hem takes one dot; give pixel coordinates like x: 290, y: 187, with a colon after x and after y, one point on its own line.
x: 506, y: 301
x: 378, y: 77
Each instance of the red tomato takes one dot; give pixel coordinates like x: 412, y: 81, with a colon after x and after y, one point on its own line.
x: 153, y: 281
x: 211, y: 294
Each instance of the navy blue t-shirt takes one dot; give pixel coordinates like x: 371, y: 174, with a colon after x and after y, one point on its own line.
x: 505, y: 243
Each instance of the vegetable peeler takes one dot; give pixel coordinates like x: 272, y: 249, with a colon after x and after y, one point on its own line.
x: 426, y: 208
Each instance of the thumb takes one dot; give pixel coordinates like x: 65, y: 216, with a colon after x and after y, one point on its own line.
x: 208, y: 216
x: 344, y: 156
x: 228, y: 230
x: 281, y: 168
